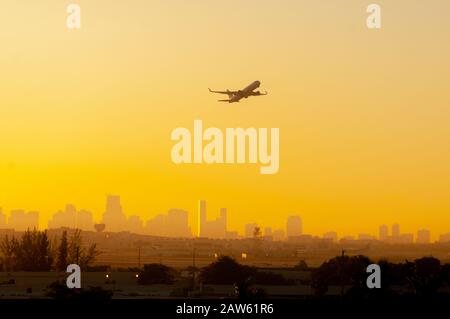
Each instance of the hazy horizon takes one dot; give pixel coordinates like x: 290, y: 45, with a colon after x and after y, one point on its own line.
x: 363, y: 114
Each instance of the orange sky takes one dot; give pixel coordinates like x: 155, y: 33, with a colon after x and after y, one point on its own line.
x: 363, y: 114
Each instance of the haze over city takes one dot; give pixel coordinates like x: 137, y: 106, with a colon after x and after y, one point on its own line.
x: 176, y: 223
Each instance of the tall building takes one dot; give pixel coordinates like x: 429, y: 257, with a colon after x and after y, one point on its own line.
x: 406, y: 238
x: 423, y: 236
x: 135, y: 224
x: 294, y: 226
x: 444, y: 238
x: 2, y: 219
x: 278, y: 235
x: 85, y: 220
x: 216, y: 228
x: 396, y: 230
x: 201, y: 218
x: 268, y: 232
x: 156, y: 226
x: 114, y: 218
x: 177, y: 224
x: 383, y: 232
x: 173, y: 224
x: 223, y: 221
x: 19, y: 220
x: 64, y: 218
x: 250, y: 230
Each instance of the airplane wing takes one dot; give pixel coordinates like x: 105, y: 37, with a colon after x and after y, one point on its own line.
x: 258, y: 93
x: 223, y: 92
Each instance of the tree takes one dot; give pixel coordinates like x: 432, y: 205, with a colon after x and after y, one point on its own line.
x: 156, y: 274
x: 343, y: 271
x: 61, y: 263
x: 30, y: 253
x: 9, y: 250
x: 426, y: 277
x: 225, y: 271
x: 77, y: 252
x: 302, y: 266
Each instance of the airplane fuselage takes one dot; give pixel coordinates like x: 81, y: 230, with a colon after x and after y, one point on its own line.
x: 246, y: 92
x: 236, y: 96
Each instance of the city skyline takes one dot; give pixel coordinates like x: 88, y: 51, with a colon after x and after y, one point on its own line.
x: 176, y: 223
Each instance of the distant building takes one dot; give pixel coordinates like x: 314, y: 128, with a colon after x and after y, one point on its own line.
x: 278, y: 235
x: 19, y: 220
x: 444, y: 238
x: 332, y: 235
x: 85, y: 220
x: 172, y: 224
x: 250, y: 230
x: 71, y: 218
x: 396, y: 230
x: 423, y: 236
x: 201, y: 218
x: 231, y: 235
x: 2, y: 220
x: 383, y: 232
x: 268, y: 232
x: 114, y: 218
x: 135, y: 224
x: 216, y: 228
x: 365, y: 237
x: 293, y: 226
x: 406, y: 238
x: 177, y: 223
x: 156, y: 226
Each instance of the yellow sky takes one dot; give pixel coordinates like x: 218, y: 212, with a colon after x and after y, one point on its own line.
x: 363, y: 114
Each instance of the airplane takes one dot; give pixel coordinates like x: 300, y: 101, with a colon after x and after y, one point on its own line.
x: 236, y: 96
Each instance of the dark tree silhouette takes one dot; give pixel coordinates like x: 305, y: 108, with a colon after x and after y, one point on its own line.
x: 156, y: 274
x: 61, y: 263
x: 30, y: 253
x: 225, y: 271
x: 341, y: 271
x: 425, y: 276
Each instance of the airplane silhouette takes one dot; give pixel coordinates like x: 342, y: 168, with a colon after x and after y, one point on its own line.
x: 236, y: 96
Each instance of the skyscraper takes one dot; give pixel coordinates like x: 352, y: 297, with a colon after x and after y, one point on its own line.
x: 396, y: 230
x: 135, y: 224
x: 114, y: 217
x: 293, y: 226
x: 250, y: 230
x: 65, y: 218
x: 177, y: 223
x: 85, y: 220
x: 268, y: 232
x: 19, y: 220
x: 423, y: 236
x: 383, y: 232
x: 201, y: 218
x: 2, y: 219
